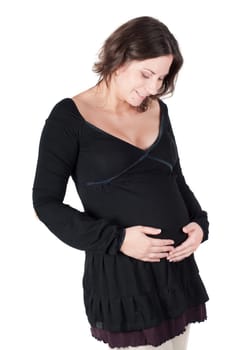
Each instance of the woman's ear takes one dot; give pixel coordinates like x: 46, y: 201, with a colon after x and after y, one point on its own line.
x: 121, y: 69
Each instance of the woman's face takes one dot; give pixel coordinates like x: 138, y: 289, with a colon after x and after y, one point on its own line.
x: 136, y: 80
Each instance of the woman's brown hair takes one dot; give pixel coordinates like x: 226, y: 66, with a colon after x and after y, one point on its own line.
x: 139, y: 39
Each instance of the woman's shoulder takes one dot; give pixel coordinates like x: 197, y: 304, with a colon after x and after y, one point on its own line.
x: 66, y: 112
x: 87, y: 100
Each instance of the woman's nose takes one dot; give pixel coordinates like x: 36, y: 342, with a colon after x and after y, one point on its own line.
x: 153, y: 86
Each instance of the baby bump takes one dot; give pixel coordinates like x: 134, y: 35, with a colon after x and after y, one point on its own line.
x: 148, y: 204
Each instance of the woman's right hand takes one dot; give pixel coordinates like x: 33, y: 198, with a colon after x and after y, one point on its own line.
x: 138, y: 245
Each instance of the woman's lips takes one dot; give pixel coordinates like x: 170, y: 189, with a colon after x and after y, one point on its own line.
x: 140, y: 96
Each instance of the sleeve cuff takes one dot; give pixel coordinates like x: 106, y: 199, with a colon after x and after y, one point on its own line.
x: 203, y: 222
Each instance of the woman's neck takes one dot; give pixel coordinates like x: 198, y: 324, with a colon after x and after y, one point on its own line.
x: 109, y: 99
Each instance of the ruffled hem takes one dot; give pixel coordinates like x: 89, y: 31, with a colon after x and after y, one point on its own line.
x: 155, y: 335
x: 123, y: 295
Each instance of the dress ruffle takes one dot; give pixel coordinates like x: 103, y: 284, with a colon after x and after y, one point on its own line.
x: 143, y: 296
x: 152, y: 336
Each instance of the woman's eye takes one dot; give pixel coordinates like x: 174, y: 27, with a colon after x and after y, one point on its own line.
x: 146, y: 76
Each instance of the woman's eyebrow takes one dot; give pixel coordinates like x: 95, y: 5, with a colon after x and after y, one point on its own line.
x: 150, y: 70
x: 155, y: 72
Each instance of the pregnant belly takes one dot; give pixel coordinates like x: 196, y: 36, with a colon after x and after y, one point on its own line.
x: 157, y: 204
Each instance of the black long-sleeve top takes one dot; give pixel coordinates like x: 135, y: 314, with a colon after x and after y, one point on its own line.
x: 120, y: 185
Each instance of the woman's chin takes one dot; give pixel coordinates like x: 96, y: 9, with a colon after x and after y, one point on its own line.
x: 135, y: 103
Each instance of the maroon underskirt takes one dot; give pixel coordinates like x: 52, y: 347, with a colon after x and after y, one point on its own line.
x: 152, y: 336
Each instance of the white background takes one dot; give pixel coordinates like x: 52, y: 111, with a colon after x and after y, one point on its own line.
x: 47, y: 52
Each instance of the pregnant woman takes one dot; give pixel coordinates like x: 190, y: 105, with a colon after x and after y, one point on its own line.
x: 141, y: 223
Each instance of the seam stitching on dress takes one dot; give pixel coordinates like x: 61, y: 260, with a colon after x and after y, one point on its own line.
x: 119, y: 174
x: 162, y: 161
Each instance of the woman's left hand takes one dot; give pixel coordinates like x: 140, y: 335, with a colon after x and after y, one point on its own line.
x: 188, y: 247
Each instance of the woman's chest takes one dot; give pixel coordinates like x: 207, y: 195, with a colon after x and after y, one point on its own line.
x: 137, y: 129
x: 103, y: 157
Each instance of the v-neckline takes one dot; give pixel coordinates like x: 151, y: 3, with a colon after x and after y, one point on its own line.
x: 161, y: 120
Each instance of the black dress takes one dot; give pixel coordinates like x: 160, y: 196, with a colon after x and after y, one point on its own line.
x: 120, y: 185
